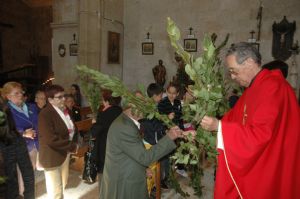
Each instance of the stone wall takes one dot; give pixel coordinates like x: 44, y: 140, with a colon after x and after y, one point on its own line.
x: 112, y: 20
x: 64, y: 26
x: 90, y: 20
x: 136, y: 18
x: 16, y: 41
x: 41, y: 18
x: 30, y: 35
x: 228, y: 16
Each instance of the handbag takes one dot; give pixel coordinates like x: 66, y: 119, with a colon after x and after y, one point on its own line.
x: 90, y: 168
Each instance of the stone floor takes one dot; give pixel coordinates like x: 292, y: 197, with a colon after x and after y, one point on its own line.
x: 77, y: 189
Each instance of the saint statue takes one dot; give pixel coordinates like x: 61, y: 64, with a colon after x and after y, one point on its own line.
x: 159, y: 73
x: 181, y: 78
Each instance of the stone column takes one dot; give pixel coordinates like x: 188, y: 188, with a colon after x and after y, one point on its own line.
x: 64, y: 26
x: 90, y: 21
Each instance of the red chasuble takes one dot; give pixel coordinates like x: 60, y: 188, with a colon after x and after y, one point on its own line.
x: 261, y: 134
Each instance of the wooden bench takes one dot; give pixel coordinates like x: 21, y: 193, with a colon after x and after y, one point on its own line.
x: 78, y: 164
x: 85, y: 112
x: 84, y: 125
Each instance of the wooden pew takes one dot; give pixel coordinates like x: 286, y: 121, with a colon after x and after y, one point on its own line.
x: 78, y: 164
x: 84, y: 125
x: 85, y: 112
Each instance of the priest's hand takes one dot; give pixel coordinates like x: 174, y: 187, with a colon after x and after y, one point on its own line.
x: 209, y: 123
x: 174, y: 133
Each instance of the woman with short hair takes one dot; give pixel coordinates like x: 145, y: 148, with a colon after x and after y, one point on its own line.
x: 14, y: 152
x: 25, y: 116
x: 57, y: 140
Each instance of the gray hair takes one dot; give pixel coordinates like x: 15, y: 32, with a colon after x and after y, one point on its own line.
x: 243, y: 51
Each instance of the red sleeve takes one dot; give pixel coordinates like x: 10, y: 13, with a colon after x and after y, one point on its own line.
x: 243, y: 144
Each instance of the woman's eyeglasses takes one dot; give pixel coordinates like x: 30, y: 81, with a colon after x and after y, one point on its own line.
x: 17, y: 93
x: 59, y: 97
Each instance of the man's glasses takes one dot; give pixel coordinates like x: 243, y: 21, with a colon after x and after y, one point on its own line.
x: 233, y: 71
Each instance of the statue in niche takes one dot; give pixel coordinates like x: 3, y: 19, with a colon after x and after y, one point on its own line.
x: 283, y: 34
x: 181, y: 78
x: 159, y: 73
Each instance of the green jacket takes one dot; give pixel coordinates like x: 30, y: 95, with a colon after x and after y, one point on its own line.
x: 126, y: 160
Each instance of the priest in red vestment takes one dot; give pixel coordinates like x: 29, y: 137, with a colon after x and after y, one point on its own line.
x: 259, y: 139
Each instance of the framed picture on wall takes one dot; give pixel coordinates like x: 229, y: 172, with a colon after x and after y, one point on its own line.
x: 190, y: 45
x: 113, y: 48
x: 73, y: 49
x: 147, y: 48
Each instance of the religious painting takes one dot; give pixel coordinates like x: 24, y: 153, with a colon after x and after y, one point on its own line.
x: 113, y: 48
x: 147, y: 48
x: 190, y: 45
x: 73, y: 49
x: 283, y: 35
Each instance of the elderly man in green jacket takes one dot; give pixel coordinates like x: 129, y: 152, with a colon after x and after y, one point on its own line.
x: 124, y: 175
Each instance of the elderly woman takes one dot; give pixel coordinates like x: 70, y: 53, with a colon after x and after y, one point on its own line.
x: 57, y: 141
x: 40, y: 99
x: 14, y: 151
x: 25, y: 116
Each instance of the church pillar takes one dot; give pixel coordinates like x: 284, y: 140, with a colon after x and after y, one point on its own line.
x: 90, y: 33
x: 64, y: 26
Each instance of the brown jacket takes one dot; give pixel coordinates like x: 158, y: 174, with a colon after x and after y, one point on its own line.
x: 53, y: 138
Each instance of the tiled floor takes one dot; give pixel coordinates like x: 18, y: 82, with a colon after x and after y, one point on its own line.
x: 77, y: 189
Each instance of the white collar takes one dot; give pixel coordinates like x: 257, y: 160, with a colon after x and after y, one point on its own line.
x: 67, y: 120
x: 135, y: 122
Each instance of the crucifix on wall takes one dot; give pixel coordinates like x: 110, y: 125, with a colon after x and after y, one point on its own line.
x: 190, y: 44
x: 259, y: 20
x: 252, y: 40
x: 283, y: 35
